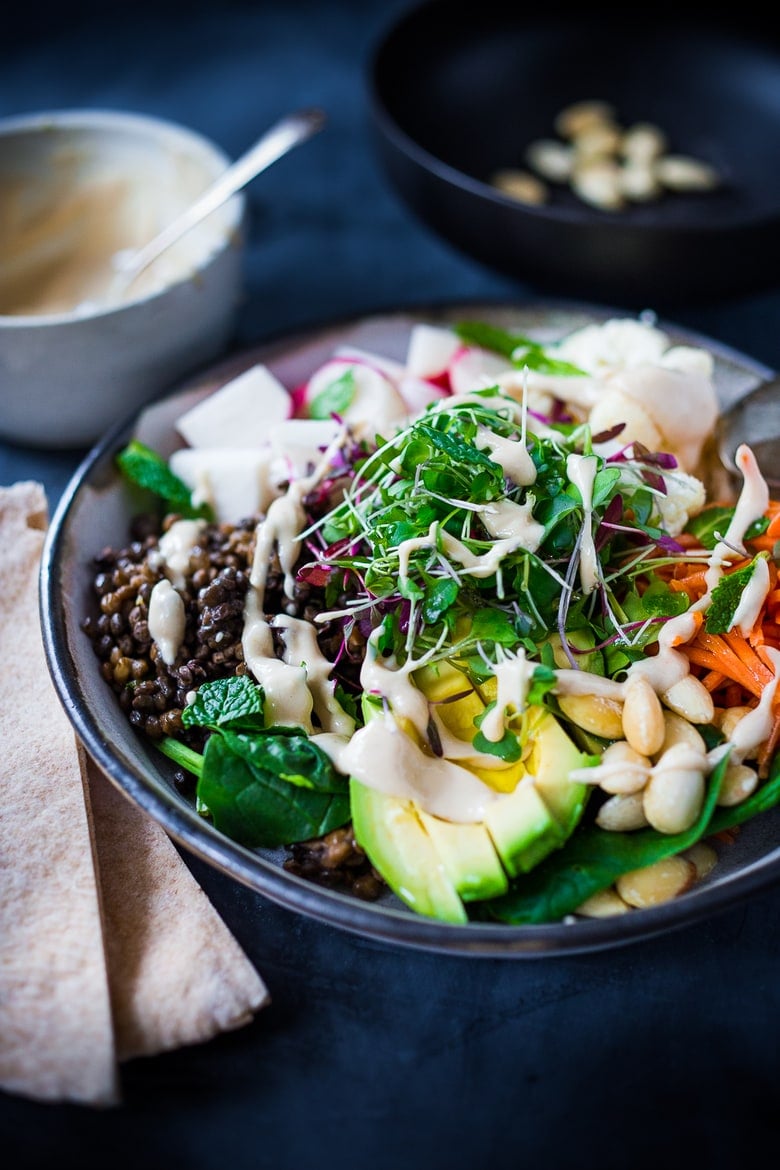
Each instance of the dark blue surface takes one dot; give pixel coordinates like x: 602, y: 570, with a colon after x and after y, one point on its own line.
x: 663, y: 1053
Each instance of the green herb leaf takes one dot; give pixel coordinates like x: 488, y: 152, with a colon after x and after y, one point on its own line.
x: 709, y: 525
x: 493, y: 625
x: 726, y: 597
x: 457, y: 449
x: 507, y: 748
x: 142, y: 466
x: 271, y: 790
x: 335, y: 397
x: 543, y: 680
x: 438, y: 598
x: 234, y: 704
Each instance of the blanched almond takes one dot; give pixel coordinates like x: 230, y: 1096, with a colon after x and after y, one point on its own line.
x: 654, y: 884
x: 622, y: 813
x: 643, y: 716
x: 679, y: 730
x: 690, y: 698
x: 739, y: 782
x: 674, y: 794
x: 603, y: 904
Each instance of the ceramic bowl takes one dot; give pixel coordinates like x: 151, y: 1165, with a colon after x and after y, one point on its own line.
x: 78, y: 188
x: 458, y: 97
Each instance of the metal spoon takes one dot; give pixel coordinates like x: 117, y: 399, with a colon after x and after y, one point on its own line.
x: 754, y: 419
x: 282, y: 137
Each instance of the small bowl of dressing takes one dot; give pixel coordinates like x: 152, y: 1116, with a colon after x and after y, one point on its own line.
x: 78, y: 191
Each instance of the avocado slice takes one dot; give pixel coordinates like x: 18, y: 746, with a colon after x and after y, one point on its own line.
x: 469, y: 857
x: 545, y: 807
x: 392, y: 835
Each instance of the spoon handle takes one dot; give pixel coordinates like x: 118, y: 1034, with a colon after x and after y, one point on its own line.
x: 276, y: 142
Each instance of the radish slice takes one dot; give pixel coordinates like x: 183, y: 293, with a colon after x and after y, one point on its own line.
x: 239, y: 414
x: 356, y: 393
x: 417, y: 393
x: 473, y: 368
x: 431, y: 351
x: 387, y: 366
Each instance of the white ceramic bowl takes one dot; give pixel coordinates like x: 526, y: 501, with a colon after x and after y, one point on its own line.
x: 76, y: 188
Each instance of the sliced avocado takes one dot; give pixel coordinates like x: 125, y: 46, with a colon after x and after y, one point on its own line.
x: 392, y: 835
x: 469, y: 857
x: 545, y: 807
x: 553, y: 757
x: 522, y: 828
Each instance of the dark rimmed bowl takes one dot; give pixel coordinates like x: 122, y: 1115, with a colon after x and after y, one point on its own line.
x: 95, y: 512
x: 457, y: 92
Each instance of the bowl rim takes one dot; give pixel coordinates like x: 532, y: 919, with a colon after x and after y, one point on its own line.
x: 387, y: 924
x: 158, y: 128
x: 572, y: 216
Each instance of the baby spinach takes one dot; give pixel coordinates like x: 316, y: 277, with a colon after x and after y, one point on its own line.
x: 270, y: 790
x: 260, y: 786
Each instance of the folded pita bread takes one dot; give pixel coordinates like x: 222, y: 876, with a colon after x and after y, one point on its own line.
x: 177, y: 974
x: 109, y: 949
x: 56, y: 1031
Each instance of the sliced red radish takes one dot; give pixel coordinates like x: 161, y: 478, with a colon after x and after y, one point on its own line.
x: 238, y: 414
x: 355, y: 392
x: 385, y: 365
x: 417, y: 393
x: 473, y: 368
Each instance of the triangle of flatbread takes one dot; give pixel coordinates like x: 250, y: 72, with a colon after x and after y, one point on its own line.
x: 56, y: 1032
x: 177, y: 974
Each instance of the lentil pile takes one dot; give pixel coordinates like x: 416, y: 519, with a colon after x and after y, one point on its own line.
x: 153, y: 694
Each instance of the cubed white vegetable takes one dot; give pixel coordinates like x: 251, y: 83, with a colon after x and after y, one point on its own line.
x: 239, y: 414
x: 298, y: 443
x: 431, y: 349
x: 235, y: 481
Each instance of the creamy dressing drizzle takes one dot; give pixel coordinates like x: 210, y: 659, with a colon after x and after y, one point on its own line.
x: 301, y: 647
x: 382, y: 756
x: 581, y: 471
x: 513, y: 676
x: 510, y: 454
x: 753, y: 597
x: 175, y: 549
x: 167, y: 620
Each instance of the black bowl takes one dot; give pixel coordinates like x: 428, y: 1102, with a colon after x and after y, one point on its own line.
x: 457, y: 92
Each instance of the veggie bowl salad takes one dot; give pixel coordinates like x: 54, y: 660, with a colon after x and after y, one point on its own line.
x: 485, y: 627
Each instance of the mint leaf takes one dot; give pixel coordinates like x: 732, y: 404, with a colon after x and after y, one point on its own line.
x: 726, y: 597
x: 230, y: 703
x: 335, y: 397
x: 142, y: 466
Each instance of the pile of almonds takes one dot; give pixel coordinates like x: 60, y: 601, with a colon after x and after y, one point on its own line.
x: 605, y: 164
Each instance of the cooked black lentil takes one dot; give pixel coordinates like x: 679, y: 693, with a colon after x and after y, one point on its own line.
x: 153, y: 694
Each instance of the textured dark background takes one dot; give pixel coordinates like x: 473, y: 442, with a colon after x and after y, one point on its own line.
x: 664, y: 1053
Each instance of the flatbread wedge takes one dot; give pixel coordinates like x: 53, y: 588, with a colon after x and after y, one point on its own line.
x: 56, y: 1030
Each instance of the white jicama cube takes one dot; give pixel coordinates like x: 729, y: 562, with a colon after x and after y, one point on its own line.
x: 239, y: 414
x: 299, y: 443
x: 431, y: 350
x: 235, y: 481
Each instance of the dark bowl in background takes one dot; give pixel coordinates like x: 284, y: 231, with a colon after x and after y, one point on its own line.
x: 458, y: 91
